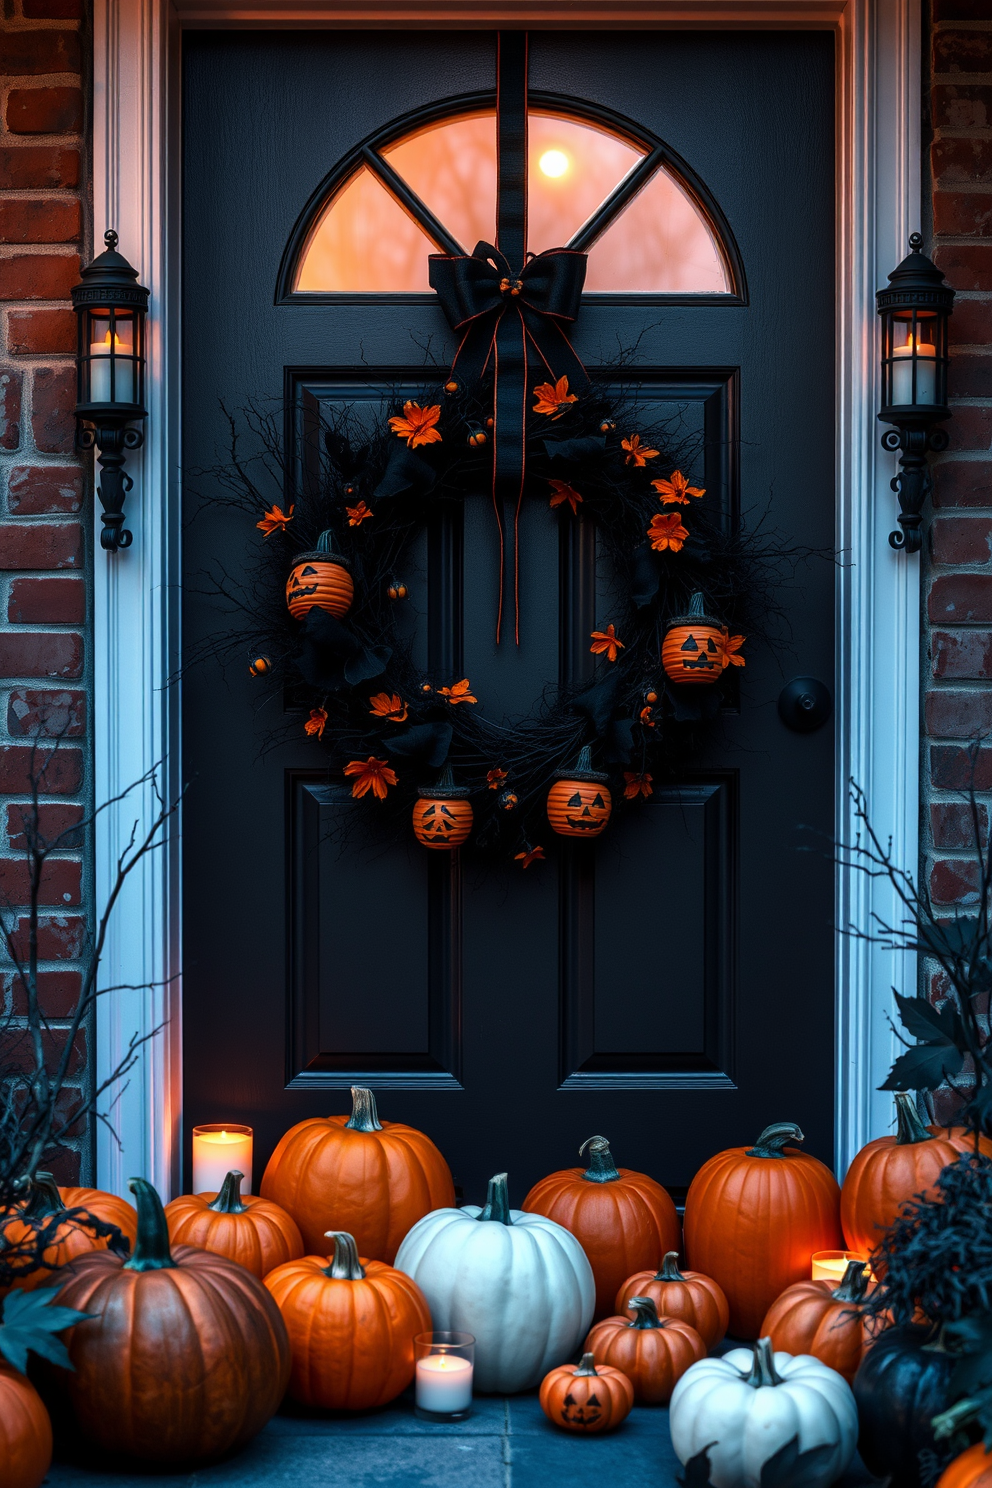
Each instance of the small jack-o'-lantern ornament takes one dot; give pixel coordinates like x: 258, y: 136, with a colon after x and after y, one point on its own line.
x: 579, y: 803
x: 508, y: 800
x: 693, y: 650
x: 260, y: 665
x: 442, y: 814
x: 397, y: 589
x: 319, y: 578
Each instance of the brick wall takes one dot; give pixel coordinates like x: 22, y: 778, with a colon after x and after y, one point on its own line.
x: 44, y: 652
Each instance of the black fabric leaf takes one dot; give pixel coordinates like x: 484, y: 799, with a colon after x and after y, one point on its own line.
x: 427, y: 741
x: 576, y: 451
x: 598, y: 702
x: 645, y: 576
x: 405, y: 472
x: 620, y: 741
x: 790, y: 1468
x: 924, y: 1067
x: 693, y: 704
x: 330, y: 657
x: 697, y: 1470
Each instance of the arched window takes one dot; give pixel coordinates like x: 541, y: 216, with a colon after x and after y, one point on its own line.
x: 647, y: 222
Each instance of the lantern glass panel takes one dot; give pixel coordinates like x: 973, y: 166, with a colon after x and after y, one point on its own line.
x: 914, y: 356
x: 113, y: 357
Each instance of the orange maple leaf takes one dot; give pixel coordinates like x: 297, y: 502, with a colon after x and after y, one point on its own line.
x: 564, y: 492
x: 605, y: 643
x: 529, y: 855
x: 637, y: 785
x: 459, y: 692
x: 637, y: 454
x: 667, y: 532
x: 358, y: 514
x: 275, y: 520
x: 416, y: 424
x: 551, y: 398
x: 495, y: 778
x: 677, y: 490
x: 731, y: 646
x: 370, y: 775
x: 317, y: 722
x: 386, y: 705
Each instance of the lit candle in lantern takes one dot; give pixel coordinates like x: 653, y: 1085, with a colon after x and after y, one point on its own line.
x: 444, y: 1373
x: 100, y: 372
x: 830, y: 1265
x: 217, y: 1151
x: 902, y: 373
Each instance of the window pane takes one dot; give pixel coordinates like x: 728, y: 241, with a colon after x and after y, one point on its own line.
x: 365, y: 241
x: 660, y: 244
x: 573, y: 167
x: 452, y: 168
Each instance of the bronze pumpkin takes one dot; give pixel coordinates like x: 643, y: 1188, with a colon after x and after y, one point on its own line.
x: 579, y: 802
x: 319, y: 578
x: 442, y: 814
x: 693, y: 651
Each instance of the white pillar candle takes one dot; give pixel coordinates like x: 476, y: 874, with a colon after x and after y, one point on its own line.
x: 444, y: 1384
x: 902, y: 374
x: 217, y: 1151
x: 831, y: 1265
x: 100, y: 370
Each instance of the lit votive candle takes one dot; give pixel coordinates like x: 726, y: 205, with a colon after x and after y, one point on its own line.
x: 831, y: 1265
x: 926, y: 373
x: 444, y: 1374
x: 217, y: 1151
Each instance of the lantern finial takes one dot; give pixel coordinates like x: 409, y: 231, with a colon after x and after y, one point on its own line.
x: 916, y: 242
x: 111, y: 239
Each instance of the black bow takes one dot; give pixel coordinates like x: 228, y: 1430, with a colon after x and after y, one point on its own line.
x: 508, y: 320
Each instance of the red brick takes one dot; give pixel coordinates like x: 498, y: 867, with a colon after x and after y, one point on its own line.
x: 60, y: 938
x: 964, y: 654
x: 962, y: 214
x: 53, y: 220
x: 962, y: 51
x: 960, y: 599
x: 971, y: 428
x: 952, y: 825
x: 961, y: 105
x: 38, y: 167
x: 965, y: 265
x: 951, y: 768
x: 52, y: 421
x: 954, y: 881
x: 971, y: 323
x: 52, y: 715
x: 38, y: 276
x: 44, y: 110
x: 37, y: 332
x: 10, y: 410
x: 958, y: 715
x: 969, y: 377
x: 59, y: 820
x: 959, y: 483
x: 34, y: 490
x: 47, y: 601
x: 41, y: 545
x: 960, y: 539
x: 65, y: 1166
x: 35, y: 52
x: 41, y: 654
x: 60, y: 881
x: 942, y: 10
x: 18, y: 1050
x: 59, y: 770
x: 961, y: 162
x: 53, y: 10
x: 58, y: 993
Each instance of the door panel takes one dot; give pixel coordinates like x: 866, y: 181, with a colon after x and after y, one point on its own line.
x: 673, y: 986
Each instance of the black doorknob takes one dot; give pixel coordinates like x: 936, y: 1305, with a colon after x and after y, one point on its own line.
x: 805, y: 704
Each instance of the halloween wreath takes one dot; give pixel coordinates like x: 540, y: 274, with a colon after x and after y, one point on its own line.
x: 331, y: 574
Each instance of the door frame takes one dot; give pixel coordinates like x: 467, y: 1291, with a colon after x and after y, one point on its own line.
x: 136, y: 154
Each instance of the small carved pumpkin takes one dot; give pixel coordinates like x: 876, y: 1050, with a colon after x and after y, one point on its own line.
x: 582, y: 1398
x: 442, y: 814
x: 579, y: 803
x: 693, y: 650
x: 654, y: 1353
x: 319, y: 578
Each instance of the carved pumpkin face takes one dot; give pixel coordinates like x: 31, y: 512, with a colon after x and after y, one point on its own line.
x: 314, y: 580
x: 694, y: 653
x: 443, y: 822
x: 579, y: 808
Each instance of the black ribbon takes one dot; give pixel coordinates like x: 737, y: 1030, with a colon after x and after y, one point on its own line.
x: 510, y: 322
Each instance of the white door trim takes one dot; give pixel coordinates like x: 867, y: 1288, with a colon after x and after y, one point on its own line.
x: 136, y: 114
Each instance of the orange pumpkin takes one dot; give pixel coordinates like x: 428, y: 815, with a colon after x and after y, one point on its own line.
x: 888, y: 1172
x: 962, y: 1139
x: 579, y: 803
x: 319, y: 578
x: 754, y: 1216
x: 442, y: 814
x: 973, y: 1469
x: 71, y: 1239
x: 582, y: 1398
x: 819, y: 1318
x: 250, y: 1230
x: 351, y: 1171
x: 654, y: 1353
x: 623, y: 1220
x: 686, y: 1295
x: 25, y: 1432
x: 693, y: 650
x: 351, y: 1326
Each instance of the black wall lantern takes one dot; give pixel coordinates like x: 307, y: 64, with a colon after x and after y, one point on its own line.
x: 110, y: 392
x: 915, y: 310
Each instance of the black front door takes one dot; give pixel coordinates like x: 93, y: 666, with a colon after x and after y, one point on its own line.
x: 673, y: 987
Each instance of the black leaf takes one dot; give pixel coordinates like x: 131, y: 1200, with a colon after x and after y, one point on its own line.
x: 697, y: 1470
x: 405, y: 472
x: 619, y: 741
x: 923, y: 1067
x: 598, y: 702
x: 790, y: 1468
x: 576, y: 451
x: 429, y: 742
x: 645, y: 576
x: 330, y: 657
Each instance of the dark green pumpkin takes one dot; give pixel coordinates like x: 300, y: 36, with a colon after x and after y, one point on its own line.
x: 902, y: 1382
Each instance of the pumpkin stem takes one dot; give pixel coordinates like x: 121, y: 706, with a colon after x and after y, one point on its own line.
x: 228, y: 1201
x: 854, y: 1284
x: 763, y: 1368
x: 151, y: 1249
x: 646, y: 1313
x: 696, y: 607
x: 327, y: 544
x: 602, y: 1168
x: 909, y: 1128
x: 670, y: 1268
x: 364, y: 1116
x: 44, y: 1198
x: 345, y: 1265
x: 497, y: 1201
x: 587, y: 1366
x: 774, y: 1138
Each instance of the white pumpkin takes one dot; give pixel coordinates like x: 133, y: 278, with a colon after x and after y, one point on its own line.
x: 519, y: 1282
x: 749, y: 1404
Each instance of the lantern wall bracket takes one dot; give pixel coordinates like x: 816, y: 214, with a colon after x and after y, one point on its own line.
x: 111, y: 440
x: 914, y: 482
